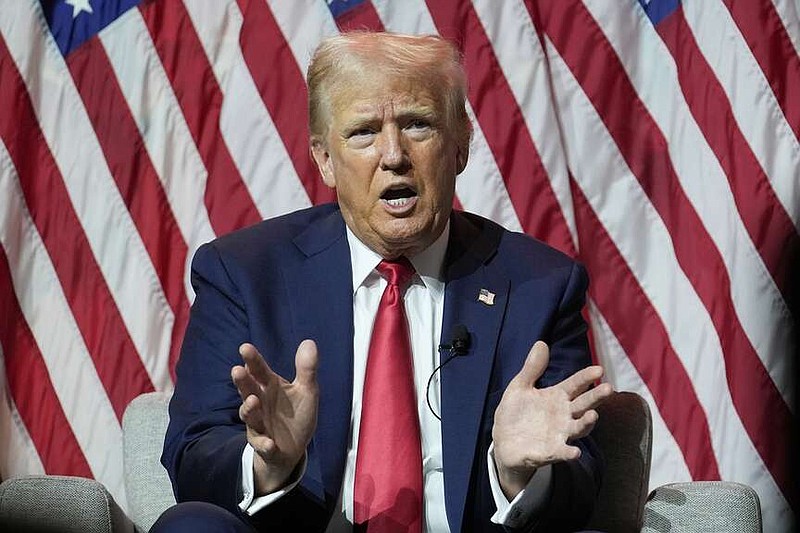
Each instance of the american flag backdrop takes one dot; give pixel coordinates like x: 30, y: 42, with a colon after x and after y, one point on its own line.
x: 656, y: 141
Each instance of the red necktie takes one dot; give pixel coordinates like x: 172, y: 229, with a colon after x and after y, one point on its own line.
x: 388, y: 484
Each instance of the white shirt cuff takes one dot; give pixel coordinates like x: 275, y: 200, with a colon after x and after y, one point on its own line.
x: 528, y: 503
x: 251, y: 503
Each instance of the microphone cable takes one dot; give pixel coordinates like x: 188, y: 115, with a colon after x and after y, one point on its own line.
x: 459, y: 345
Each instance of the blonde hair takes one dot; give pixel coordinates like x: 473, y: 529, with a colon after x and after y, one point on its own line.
x: 345, y: 58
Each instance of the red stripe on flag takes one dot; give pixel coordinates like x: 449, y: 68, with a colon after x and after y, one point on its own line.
x: 503, y: 126
x: 763, y: 30
x: 283, y: 90
x: 643, y: 336
x: 590, y: 57
x: 30, y: 386
x: 227, y: 199
x: 361, y: 17
x: 767, y: 222
x: 115, y: 358
x: 136, y: 179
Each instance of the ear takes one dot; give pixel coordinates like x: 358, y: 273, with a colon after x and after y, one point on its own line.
x: 462, y: 156
x: 319, y: 151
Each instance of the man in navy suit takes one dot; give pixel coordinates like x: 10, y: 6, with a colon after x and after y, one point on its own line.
x: 272, y: 442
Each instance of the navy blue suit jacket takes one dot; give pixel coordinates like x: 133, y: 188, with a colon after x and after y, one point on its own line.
x: 289, y: 279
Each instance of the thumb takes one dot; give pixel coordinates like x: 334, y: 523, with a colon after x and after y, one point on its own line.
x: 534, y: 365
x: 306, y: 361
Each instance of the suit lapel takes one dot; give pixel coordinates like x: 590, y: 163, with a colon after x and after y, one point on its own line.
x: 321, y: 298
x: 465, y: 381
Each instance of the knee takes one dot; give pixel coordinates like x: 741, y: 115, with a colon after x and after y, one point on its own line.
x: 194, y: 517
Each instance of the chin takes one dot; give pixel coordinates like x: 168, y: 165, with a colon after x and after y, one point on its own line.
x: 409, y: 238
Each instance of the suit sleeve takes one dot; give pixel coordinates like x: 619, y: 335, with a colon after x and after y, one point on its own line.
x: 205, y: 438
x: 575, y: 483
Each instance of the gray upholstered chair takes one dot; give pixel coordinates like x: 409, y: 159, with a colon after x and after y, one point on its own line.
x: 64, y: 504
x: 624, y: 433
x: 60, y: 504
x: 147, y: 485
x: 703, y: 506
x: 70, y: 504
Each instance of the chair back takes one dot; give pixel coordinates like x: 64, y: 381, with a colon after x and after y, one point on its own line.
x: 63, y: 504
x: 624, y: 433
x: 147, y: 484
x: 703, y: 506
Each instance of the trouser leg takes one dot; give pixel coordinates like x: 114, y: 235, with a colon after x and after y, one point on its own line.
x: 196, y: 517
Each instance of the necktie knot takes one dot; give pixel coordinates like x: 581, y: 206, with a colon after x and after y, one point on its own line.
x: 397, y: 271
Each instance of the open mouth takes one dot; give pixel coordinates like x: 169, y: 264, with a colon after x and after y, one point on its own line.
x: 399, y: 197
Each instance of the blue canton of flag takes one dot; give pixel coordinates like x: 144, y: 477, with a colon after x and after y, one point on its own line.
x: 73, y: 22
x: 340, y: 7
x: 658, y: 10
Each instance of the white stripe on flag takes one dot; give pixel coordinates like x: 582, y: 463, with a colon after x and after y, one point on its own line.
x: 754, y: 105
x: 18, y: 455
x: 113, y: 237
x: 789, y: 12
x: 520, y: 55
x: 480, y: 187
x: 246, y: 125
x: 304, y: 23
x: 667, y: 464
x: 758, y: 302
x: 632, y: 222
x: 156, y: 111
x: 50, y: 319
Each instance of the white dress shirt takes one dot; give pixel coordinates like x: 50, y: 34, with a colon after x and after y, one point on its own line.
x: 424, y: 303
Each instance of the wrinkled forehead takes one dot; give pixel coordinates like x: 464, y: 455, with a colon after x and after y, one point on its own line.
x: 405, y: 91
x: 360, y: 84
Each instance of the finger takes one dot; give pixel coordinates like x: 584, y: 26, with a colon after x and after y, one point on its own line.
x: 591, y: 399
x: 534, y: 365
x: 306, y: 362
x: 580, y: 381
x: 251, y: 415
x: 256, y: 365
x: 244, y: 382
x: 569, y: 453
x: 584, y: 425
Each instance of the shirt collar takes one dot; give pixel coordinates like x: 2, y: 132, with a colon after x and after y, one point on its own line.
x: 427, y: 263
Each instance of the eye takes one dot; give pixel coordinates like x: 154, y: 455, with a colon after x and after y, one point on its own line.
x: 418, y: 124
x: 361, y: 132
x: 360, y: 137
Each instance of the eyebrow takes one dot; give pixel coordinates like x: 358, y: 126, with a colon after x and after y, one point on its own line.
x: 419, y: 112
x: 371, y: 118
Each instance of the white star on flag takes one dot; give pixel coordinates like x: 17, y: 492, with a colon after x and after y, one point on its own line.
x: 79, y: 6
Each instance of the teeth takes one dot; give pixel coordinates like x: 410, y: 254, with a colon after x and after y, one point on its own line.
x: 397, y: 202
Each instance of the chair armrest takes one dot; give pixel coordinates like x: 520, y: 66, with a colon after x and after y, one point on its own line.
x: 147, y: 484
x: 703, y: 506
x: 60, y: 503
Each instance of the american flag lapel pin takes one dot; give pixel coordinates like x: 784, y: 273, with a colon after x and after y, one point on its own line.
x: 486, y: 296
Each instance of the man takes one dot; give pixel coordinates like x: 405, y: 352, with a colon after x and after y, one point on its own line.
x: 352, y: 435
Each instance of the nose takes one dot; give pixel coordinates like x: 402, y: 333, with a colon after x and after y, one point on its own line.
x: 393, y: 154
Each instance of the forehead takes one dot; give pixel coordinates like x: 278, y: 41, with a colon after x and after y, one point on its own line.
x: 378, y: 93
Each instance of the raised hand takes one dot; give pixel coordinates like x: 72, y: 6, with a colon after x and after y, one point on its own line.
x: 534, y: 427
x: 280, y: 416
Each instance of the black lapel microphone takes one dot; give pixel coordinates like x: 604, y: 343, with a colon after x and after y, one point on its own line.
x: 459, y: 345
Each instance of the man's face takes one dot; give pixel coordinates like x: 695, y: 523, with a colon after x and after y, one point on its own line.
x: 393, y: 161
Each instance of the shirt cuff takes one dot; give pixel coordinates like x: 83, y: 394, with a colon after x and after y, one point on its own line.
x: 251, y: 503
x: 527, y: 504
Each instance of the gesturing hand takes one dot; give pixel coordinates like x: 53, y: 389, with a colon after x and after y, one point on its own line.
x: 280, y: 416
x: 533, y: 427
